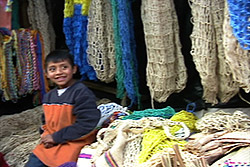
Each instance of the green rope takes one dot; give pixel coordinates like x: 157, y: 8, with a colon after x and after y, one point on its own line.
x: 167, y: 113
x: 118, y: 53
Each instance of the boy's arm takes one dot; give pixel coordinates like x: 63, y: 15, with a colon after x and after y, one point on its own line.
x: 87, y: 117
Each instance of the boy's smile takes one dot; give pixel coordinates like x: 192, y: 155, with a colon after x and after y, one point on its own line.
x: 61, y: 73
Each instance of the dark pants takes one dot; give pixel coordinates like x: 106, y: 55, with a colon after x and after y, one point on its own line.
x: 34, y: 162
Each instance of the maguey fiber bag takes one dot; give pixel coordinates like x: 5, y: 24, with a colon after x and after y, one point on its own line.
x: 166, y: 71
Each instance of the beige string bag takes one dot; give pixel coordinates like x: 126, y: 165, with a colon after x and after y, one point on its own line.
x: 166, y: 71
x: 208, y: 51
x: 39, y: 20
x: 101, y: 52
x: 228, y: 88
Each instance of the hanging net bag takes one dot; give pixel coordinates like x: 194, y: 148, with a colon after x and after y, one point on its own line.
x: 204, y: 48
x: 208, y: 51
x: 101, y: 51
x: 39, y: 20
x: 227, y: 87
x: 166, y: 71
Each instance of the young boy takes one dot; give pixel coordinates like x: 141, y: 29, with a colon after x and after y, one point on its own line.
x: 70, y: 113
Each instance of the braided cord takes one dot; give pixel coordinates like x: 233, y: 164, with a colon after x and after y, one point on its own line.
x: 3, y: 70
x: 22, y: 59
x: 40, y: 59
x: 30, y: 67
x: 75, y: 30
x: 18, y: 63
x: 118, y: 52
x: 10, y: 90
x: 167, y: 113
x: 128, y: 50
x: 36, y: 76
x: 3, y: 82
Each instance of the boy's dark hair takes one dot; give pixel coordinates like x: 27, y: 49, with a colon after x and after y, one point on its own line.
x: 58, y: 56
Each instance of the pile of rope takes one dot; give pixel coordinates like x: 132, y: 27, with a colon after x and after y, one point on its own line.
x: 220, y: 133
x: 130, y: 142
x: 166, y: 71
x: 223, y: 121
x: 19, y: 135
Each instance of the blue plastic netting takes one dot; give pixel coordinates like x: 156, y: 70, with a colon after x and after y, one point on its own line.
x: 239, y: 12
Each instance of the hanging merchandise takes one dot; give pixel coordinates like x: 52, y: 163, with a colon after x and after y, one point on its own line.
x: 39, y: 20
x: 118, y: 53
x: 237, y: 58
x: 123, y: 24
x: 101, y: 49
x: 239, y: 12
x: 9, y: 80
x: 208, y: 51
x: 166, y: 71
x: 21, y: 67
x: 5, y: 15
x: 75, y: 30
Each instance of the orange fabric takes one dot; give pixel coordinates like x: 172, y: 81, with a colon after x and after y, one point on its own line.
x: 58, y: 117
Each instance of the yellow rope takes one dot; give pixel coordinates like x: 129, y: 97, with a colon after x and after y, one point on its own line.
x: 183, y: 116
x: 154, y: 141
x: 69, y: 7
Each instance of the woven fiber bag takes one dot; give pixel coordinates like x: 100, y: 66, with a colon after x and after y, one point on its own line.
x: 166, y: 71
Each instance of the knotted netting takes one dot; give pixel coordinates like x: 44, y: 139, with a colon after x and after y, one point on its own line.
x: 237, y: 58
x: 209, y: 53
x: 19, y: 135
x: 227, y: 86
x: 39, y: 20
x: 239, y: 12
x: 204, y: 48
x: 166, y: 71
x: 75, y: 29
x: 101, y: 49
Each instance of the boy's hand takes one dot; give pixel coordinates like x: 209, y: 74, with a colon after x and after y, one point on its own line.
x: 48, y: 141
x: 48, y: 145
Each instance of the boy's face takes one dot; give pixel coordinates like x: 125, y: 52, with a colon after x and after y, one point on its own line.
x: 61, y: 73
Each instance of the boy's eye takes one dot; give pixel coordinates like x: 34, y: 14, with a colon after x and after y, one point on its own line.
x: 51, y: 69
x: 64, y: 67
